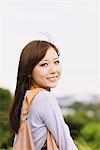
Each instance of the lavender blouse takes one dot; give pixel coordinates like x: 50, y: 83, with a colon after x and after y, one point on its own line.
x: 46, y: 113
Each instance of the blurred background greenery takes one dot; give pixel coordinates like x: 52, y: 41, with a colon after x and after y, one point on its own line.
x: 84, y: 122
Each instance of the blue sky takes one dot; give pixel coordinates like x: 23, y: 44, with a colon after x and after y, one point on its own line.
x: 73, y: 25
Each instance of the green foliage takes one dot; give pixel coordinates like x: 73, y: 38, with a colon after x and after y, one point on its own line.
x: 84, y: 127
x: 84, y: 108
x: 5, y: 99
x: 91, y: 133
x: 83, y: 145
x: 5, y: 104
x: 78, y: 107
x: 76, y: 122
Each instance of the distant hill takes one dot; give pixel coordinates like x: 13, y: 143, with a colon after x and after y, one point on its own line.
x: 68, y: 100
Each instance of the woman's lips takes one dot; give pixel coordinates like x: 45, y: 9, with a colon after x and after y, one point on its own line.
x: 53, y: 79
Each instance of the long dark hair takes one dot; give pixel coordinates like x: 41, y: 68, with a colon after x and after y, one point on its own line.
x: 32, y: 53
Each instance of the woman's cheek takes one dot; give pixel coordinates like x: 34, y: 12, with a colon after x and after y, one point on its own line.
x: 43, y: 72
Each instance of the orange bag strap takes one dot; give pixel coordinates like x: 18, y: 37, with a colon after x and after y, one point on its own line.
x: 51, y: 144
x: 29, y: 99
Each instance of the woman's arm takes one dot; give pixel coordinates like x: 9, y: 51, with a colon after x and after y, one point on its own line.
x: 51, y: 115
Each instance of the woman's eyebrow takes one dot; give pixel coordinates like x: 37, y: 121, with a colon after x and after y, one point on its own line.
x: 56, y: 58
x: 48, y: 60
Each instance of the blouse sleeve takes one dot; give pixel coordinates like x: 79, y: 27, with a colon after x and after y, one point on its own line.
x: 51, y: 115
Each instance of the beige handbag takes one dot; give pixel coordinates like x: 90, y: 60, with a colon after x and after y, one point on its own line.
x: 24, y: 137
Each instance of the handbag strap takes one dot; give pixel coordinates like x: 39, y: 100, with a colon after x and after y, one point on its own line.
x: 29, y: 98
x: 51, y: 144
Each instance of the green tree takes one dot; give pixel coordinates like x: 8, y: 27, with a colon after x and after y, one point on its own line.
x: 77, y: 122
x: 91, y: 133
x: 5, y: 104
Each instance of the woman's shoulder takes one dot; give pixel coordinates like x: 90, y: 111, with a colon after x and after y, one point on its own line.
x: 45, y: 93
x: 45, y: 96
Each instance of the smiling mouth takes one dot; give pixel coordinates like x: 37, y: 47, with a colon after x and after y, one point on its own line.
x: 52, y: 79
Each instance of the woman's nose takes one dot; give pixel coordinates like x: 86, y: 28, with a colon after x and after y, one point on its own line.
x: 53, y: 69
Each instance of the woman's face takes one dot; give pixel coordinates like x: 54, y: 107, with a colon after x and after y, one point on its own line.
x: 47, y: 72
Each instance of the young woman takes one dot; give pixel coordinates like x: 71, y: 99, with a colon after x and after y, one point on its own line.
x: 39, y: 66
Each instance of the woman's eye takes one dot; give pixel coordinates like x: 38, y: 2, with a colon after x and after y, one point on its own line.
x: 44, y: 64
x: 57, y: 62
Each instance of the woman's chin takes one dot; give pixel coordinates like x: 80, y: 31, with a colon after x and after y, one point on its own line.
x: 53, y: 85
